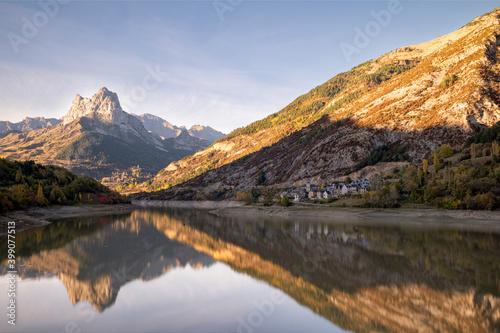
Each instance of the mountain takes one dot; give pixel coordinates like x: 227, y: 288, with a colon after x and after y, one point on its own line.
x: 166, y: 130
x: 205, y: 133
x: 411, y: 100
x: 28, y: 124
x: 97, y: 138
x: 158, y: 125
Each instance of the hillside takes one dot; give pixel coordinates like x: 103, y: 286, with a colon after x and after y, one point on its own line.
x: 98, y: 139
x: 418, y: 97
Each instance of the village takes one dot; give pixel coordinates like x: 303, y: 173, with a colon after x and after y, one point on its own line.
x: 328, y: 191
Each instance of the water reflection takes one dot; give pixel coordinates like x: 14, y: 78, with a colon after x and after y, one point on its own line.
x: 111, y: 252
x: 360, y: 278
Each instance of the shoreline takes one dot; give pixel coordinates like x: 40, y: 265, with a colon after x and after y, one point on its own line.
x: 415, y: 217
x: 37, y: 217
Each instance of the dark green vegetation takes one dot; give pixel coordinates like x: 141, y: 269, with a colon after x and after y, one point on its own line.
x: 487, y: 135
x: 27, y: 184
x: 384, y: 153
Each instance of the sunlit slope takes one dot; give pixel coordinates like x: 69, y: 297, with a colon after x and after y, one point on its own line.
x: 420, y: 96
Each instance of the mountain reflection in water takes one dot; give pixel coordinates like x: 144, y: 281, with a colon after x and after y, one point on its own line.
x: 360, y: 278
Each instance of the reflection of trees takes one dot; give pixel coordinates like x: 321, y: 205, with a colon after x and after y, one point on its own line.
x: 94, y: 266
x: 360, y: 278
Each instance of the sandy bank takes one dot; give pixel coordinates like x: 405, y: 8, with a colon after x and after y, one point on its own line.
x: 36, y: 217
x: 455, y: 219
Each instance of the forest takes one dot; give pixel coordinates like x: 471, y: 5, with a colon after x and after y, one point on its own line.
x: 28, y: 184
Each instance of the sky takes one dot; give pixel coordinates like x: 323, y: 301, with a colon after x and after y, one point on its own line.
x: 221, y: 63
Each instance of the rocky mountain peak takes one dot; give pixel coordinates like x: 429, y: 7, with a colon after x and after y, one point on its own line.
x: 184, y: 134
x: 104, y: 105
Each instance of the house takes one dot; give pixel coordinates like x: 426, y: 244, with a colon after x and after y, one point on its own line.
x: 310, y: 187
x: 298, y: 194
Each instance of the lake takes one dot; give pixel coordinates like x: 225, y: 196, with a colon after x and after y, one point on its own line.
x: 171, y: 270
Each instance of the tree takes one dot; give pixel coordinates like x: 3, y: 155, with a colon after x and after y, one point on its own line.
x: 285, y: 202
x: 425, y: 166
x: 261, y: 179
x: 436, y: 163
x: 40, y: 198
x: 445, y: 151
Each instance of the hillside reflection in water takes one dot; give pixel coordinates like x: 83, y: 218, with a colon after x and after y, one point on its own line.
x: 180, y: 270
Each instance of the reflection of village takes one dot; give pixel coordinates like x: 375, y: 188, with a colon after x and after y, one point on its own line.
x: 329, y: 191
x: 119, y: 180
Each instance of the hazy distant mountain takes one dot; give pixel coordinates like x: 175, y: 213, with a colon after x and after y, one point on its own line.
x: 206, y: 133
x: 96, y: 137
x: 166, y: 130
x: 158, y: 125
x: 28, y: 124
x: 413, y: 100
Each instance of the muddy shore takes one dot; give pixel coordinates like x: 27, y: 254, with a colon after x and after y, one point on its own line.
x: 418, y: 218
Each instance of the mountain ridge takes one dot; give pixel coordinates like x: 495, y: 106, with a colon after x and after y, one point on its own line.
x: 165, y: 129
x: 419, y: 96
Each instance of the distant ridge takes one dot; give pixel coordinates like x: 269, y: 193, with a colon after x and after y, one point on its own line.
x: 166, y: 130
x: 28, y: 124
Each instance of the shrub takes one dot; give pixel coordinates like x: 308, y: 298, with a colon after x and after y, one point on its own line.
x: 445, y: 151
x: 285, y: 202
x: 448, y: 80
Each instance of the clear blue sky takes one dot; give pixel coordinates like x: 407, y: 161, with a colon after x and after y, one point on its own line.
x: 222, y: 68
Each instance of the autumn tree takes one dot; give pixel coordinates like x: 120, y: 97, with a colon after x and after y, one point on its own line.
x: 425, y: 166
x: 40, y: 198
x: 436, y: 163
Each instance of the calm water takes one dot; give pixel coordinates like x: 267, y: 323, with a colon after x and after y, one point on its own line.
x: 189, y: 271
